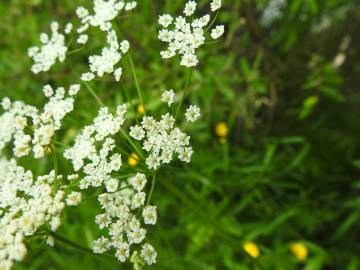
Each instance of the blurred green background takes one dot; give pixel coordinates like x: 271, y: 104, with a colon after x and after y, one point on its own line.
x: 287, y: 171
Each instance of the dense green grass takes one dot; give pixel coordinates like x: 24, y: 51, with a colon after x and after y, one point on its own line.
x: 289, y: 169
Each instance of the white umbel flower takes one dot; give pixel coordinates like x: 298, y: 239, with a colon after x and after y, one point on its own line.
x: 51, y: 50
x: 149, y: 214
x: 215, y: 5
x: 148, y: 254
x: 73, y: 199
x: 165, y: 20
x: 192, y: 113
x: 168, y: 97
x: 217, y: 32
x: 190, y: 8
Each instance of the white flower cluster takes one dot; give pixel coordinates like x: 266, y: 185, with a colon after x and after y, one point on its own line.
x: 101, y: 165
x: 95, y: 145
x: 162, y: 140
x: 25, y: 205
x: 53, y: 48
x: 108, y: 59
x: 185, y: 37
x: 14, y: 122
x: 272, y: 12
x: 124, y: 228
x: 103, y: 13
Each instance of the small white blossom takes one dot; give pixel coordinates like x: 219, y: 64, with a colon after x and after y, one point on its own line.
x: 137, y: 133
x: 138, y: 182
x: 101, y: 245
x: 73, y: 199
x: 124, y: 46
x: 215, y: 5
x: 148, y: 254
x: 149, y: 214
x: 165, y: 20
x: 82, y: 39
x: 68, y: 28
x: 52, y: 49
x: 190, y: 8
x: 118, y: 72
x: 87, y: 76
x: 74, y: 89
x: 168, y: 97
x: 122, y: 252
x: 192, y: 113
x: 217, y: 32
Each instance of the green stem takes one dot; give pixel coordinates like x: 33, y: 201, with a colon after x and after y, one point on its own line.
x: 94, y: 94
x: 152, y: 188
x: 212, y: 22
x: 55, y: 161
x: 130, y: 101
x: 132, y: 66
x: 77, y: 246
x: 75, y: 51
x: 134, y: 146
x: 184, y: 92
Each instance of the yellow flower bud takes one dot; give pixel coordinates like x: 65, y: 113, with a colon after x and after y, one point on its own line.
x: 221, y: 129
x: 299, y: 250
x: 140, y: 109
x: 133, y: 159
x: 252, y: 249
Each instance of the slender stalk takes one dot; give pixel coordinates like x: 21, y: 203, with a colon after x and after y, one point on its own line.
x: 134, y: 146
x: 184, y: 92
x: 130, y: 101
x: 212, y: 22
x: 152, y: 188
x: 55, y: 161
x: 132, y: 66
x: 75, y: 51
x: 92, y: 92
x: 77, y: 246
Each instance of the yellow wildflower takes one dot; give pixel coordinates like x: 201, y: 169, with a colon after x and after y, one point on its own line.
x: 133, y: 159
x: 221, y: 129
x: 299, y: 250
x: 140, y: 109
x: 252, y: 249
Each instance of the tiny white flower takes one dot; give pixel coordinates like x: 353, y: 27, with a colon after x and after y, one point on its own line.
x: 165, y: 20
x: 190, y: 8
x: 74, y: 89
x: 122, y: 252
x: 189, y: 60
x: 149, y: 214
x: 101, y: 245
x: 73, y: 199
x: 87, y: 76
x: 215, y: 5
x: 168, y: 97
x: 124, y: 46
x: 82, y: 39
x: 192, y: 113
x: 138, y: 182
x: 148, y: 254
x: 217, y: 32
x: 137, y: 132
x: 48, y: 90
x: 118, y: 72
x: 68, y: 28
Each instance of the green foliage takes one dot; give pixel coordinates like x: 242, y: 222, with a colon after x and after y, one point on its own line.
x: 288, y: 170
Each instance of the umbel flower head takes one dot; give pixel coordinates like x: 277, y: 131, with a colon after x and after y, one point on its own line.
x: 53, y: 48
x: 18, y: 116
x: 186, y: 34
x: 26, y: 204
